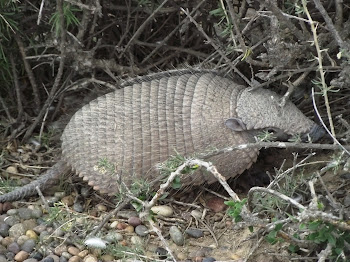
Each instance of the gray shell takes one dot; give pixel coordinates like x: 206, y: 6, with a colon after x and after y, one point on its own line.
x: 135, y: 128
x: 140, y: 126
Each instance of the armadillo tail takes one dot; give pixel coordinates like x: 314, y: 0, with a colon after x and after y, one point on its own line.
x: 44, y: 181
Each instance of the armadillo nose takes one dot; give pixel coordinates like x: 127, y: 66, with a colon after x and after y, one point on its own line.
x: 316, y: 133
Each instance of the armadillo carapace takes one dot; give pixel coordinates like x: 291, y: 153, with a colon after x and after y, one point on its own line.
x: 186, y: 112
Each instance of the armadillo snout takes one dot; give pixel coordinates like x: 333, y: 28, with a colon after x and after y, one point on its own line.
x: 316, y: 133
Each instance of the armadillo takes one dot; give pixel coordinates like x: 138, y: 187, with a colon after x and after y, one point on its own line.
x: 177, y: 112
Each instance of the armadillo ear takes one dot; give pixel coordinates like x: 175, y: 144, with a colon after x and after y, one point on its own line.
x: 235, y: 124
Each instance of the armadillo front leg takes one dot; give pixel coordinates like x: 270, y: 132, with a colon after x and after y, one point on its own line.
x: 44, y: 181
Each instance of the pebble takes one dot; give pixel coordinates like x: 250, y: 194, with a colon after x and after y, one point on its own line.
x: 83, y: 253
x: 134, y: 221
x: 36, y: 255
x: 12, y: 212
x: 13, y: 247
x: 129, y: 229
x: 194, y: 232
x: 208, y: 259
x: 30, y: 260
x: 22, y: 239
x: 176, y: 235
x: 73, y: 250
x: 4, y: 229
x: 136, y: 240
x: 29, y: 245
x: 74, y: 259
x: 17, y: 230
x: 24, y: 213
x: 164, y: 211
x: 161, y: 253
x: 216, y: 204
x: 21, y: 256
x: 11, y: 220
x: 196, y: 214
x: 31, y: 234
x: 3, y: 258
x: 90, y: 258
x: 48, y: 259
x: 101, y: 208
x: 68, y: 200
x: 113, y: 237
x: 141, y: 230
x: 106, y: 258
x: 78, y: 207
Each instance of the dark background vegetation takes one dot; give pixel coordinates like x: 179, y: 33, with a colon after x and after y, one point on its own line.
x: 48, y: 64
x: 56, y: 57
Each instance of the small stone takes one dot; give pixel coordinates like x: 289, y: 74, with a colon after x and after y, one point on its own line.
x: 78, y: 207
x: 11, y: 220
x: 181, y: 256
x: 12, y: 212
x: 113, y: 224
x: 12, y: 170
x: 164, y: 211
x: 36, y: 255
x: 176, y: 235
x: 208, y: 259
x: 31, y: 260
x: 4, y: 229
x: 45, y: 237
x: 90, y: 258
x: 31, y: 234
x: 21, y: 256
x: 73, y: 250
x: 121, y: 225
x: 66, y: 255
x: 7, y: 241
x: 141, y: 230
x: 129, y: 229
x: 134, y: 221
x: 29, y: 245
x: 22, y: 239
x: 40, y: 228
x: 24, y: 213
x: 74, y: 259
x: 37, y: 213
x: 13, y: 247
x: 60, y: 249
x: 161, y: 253
x: 113, y: 237
x: 48, y: 259
x: 107, y: 258
x: 196, y: 214
x: 136, y: 240
x: 6, y: 207
x: 59, y: 195
x: 101, y: 208
x: 194, y: 232
x: 29, y: 224
x: 83, y: 253
x: 68, y: 200
x: 3, y: 258
x: 216, y: 204
x: 17, y: 230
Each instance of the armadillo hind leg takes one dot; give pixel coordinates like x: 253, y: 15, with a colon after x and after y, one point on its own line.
x: 44, y: 181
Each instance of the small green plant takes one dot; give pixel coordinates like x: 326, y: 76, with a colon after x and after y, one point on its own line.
x: 69, y: 15
x: 235, y: 209
x: 272, y: 237
x: 266, y: 136
x: 123, y: 252
x: 169, y: 166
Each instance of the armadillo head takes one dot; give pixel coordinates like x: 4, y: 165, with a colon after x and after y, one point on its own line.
x: 260, y: 110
